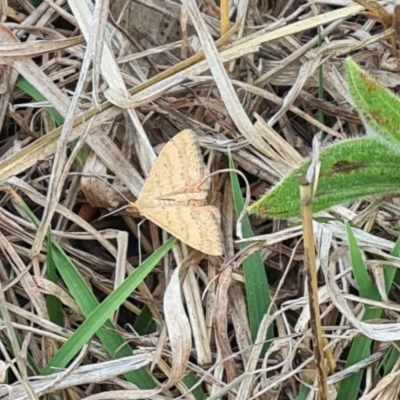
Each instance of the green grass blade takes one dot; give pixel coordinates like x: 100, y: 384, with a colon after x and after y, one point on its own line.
x: 26, y: 87
x: 189, y: 381
x: 361, y: 347
x: 304, y: 392
x: 114, y: 344
x: 255, y: 277
x: 365, y: 286
x: 389, y: 274
x: 103, y: 311
x: 145, y: 324
x: 54, y: 306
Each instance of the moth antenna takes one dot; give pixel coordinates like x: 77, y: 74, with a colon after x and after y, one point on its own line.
x: 94, y: 174
x: 111, y: 186
x: 112, y: 212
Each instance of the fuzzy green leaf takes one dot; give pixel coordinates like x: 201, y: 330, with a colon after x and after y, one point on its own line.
x: 378, y: 107
x: 350, y: 169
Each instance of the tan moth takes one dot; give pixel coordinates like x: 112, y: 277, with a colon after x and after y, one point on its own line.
x: 174, y: 196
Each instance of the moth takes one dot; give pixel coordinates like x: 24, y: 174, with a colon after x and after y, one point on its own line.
x: 174, y: 196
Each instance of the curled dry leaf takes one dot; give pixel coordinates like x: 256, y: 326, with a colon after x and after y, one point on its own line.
x: 96, y: 191
x: 178, y: 328
x: 221, y: 323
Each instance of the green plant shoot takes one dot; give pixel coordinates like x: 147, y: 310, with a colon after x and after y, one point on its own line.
x: 352, y: 168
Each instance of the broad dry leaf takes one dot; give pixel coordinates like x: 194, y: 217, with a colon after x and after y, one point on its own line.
x: 97, y: 191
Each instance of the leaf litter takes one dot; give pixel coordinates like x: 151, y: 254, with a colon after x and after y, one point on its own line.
x: 125, y: 77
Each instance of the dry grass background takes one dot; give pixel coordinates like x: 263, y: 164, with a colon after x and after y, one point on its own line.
x: 122, y: 79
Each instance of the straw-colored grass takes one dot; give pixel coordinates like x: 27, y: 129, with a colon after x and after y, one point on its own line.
x: 114, y: 308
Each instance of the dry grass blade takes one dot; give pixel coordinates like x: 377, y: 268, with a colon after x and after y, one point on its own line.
x: 226, y: 88
x: 60, y: 165
x: 10, y: 52
x: 21, y: 372
x: 82, y: 375
x: 46, y: 146
x: 36, y: 76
